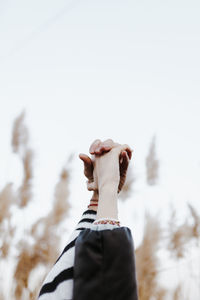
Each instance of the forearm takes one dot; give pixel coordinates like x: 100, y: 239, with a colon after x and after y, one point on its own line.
x: 107, y: 206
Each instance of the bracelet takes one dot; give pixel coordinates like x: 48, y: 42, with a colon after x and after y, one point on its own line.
x: 111, y: 222
x: 92, y: 204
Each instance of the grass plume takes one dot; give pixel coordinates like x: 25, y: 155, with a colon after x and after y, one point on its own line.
x: 152, y: 164
x: 39, y: 246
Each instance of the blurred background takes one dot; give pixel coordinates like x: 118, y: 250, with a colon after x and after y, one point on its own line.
x: 74, y: 71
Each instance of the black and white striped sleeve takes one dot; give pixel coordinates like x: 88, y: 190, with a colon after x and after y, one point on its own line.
x: 58, y: 284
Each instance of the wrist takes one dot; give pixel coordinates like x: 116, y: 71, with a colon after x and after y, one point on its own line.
x: 93, y: 205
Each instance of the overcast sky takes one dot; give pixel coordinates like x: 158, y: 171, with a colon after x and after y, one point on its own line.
x: 91, y: 69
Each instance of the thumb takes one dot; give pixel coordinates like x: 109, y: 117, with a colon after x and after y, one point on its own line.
x: 88, y: 165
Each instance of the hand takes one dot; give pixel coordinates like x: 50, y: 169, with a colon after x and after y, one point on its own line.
x: 111, y: 167
x: 122, y: 154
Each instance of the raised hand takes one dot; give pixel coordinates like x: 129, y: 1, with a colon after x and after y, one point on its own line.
x: 122, y: 153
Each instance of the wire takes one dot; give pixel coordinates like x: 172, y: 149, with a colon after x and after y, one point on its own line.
x: 21, y: 44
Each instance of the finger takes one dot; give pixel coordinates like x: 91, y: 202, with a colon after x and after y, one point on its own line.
x: 85, y: 158
x: 98, y: 148
x: 123, y: 155
x: 108, y: 142
x: 126, y: 148
x: 88, y: 165
x: 107, y: 145
x: 104, y: 147
x: 129, y: 152
x: 124, y: 159
x: 94, y: 145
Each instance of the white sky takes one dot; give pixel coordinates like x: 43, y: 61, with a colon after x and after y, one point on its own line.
x: 103, y: 69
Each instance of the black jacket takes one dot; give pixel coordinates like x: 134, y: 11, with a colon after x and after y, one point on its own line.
x: 104, y: 267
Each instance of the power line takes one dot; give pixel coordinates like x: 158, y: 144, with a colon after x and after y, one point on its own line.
x: 21, y: 44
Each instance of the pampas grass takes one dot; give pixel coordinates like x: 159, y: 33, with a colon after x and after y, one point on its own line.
x: 182, y: 234
x: 147, y: 263
x: 39, y: 245
x: 7, y: 199
x: 20, y: 146
x: 152, y: 164
x: 178, y: 241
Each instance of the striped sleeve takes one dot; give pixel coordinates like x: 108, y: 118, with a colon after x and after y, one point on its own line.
x: 58, y: 284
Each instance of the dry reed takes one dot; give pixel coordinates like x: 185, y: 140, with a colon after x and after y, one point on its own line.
x: 7, y: 198
x: 46, y: 239
x: 152, y: 164
x: 40, y: 245
x: 147, y: 263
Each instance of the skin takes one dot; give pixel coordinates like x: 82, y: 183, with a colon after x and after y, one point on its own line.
x: 115, y: 176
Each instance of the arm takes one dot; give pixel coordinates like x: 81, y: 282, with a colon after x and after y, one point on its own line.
x: 59, y: 281
x: 105, y: 265
x: 104, y: 259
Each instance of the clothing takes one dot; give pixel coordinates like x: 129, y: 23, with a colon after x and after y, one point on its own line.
x: 58, y: 284
x: 98, y: 264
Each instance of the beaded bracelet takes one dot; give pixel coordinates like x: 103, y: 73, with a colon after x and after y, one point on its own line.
x: 111, y: 222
